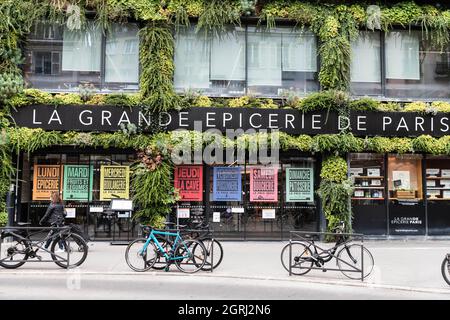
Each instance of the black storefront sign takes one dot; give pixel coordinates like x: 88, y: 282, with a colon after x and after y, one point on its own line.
x: 291, y: 121
x: 407, y: 218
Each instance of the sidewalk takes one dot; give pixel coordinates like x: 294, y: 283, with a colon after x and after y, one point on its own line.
x: 404, y: 265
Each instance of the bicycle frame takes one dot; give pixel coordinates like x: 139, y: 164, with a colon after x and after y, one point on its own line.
x: 178, y: 239
x: 37, y: 244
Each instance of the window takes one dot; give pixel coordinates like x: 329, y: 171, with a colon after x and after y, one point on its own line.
x: 366, y: 64
x: 59, y: 59
x: 415, y: 68
x: 277, y: 61
x: 412, y: 67
x: 214, y: 66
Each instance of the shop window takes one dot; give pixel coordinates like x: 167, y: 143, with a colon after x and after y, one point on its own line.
x: 215, y: 66
x: 366, y: 64
x: 414, y: 67
x: 405, y: 177
x: 59, y: 59
x: 438, y: 178
x: 279, y: 61
x: 367, y: 173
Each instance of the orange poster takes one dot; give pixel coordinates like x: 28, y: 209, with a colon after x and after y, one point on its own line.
x: 46, y: 179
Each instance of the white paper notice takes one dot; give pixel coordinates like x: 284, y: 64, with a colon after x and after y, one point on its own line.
x: 183, y: 213
x: 404, y: 177
x: 216, y: 216
x: 71, y: 212
x: 268, y: 213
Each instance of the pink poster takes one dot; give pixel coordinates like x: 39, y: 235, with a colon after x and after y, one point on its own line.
x: 264, y: 184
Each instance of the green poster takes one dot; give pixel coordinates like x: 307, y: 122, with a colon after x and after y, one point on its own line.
x: 299, y: 185
x: 78, y: 182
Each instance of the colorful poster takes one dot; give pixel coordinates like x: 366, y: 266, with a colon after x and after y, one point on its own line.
x: 189, y: 182
x: 46, y: 179
x: 227, y: 184
x: 78, y: 182
x: 114, y: 180
x: 299, y: 185
x: 264, y: 184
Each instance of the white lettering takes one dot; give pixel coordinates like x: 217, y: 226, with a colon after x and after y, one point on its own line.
x: 124, y: 115
x: 360, y: 122
x: 106, y: 118
x: 291, y: 119
x: 168, y: 121
x: 419, y: 123
x: 88, y: 118
x: 182, y: 119
x: 142, y: 117
x: 55, y: 113
x: 347, y: 122
x: 385, y: 122
x: 251, y: 122
x: 402, y: 124
x: 273, y: 120
x: 208, y: 119
x: 226, y: 117
x: 314, y: 121
x: 444, y: 124
x: 34, y: 118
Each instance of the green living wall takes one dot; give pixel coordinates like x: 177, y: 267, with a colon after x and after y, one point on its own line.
x: 335, y: 23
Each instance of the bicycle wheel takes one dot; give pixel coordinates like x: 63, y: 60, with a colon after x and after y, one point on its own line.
x: 349, y: 261
x: 193, y: 253
x: 161, y: 261
x: 138, y: 259
x: 217, y: 251
x: 13, y: 252
x: 445, y: 270
x: 75, y: 248
x: 301, y: 260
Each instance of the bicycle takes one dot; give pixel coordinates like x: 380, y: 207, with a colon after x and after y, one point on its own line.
x: 17, y: 246
x: 445, y: 268
x: 188, y: 255
x: 202, y: 232
x: 349, y: 256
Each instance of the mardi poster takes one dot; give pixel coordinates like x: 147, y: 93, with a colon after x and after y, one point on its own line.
x: 299, y: 185
x: 78, y: 182
x: 46, y: 179
x: 189, y: 182
x: 264, y: 184
x: 114, y: 180
x: 227, y: 184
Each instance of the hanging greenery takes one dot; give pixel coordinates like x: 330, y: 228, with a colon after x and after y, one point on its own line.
x: 156, y: 57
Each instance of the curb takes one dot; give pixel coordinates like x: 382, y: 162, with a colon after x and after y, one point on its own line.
x: 291, y: 279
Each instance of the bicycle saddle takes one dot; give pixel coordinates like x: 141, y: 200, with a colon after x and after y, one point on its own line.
x: 22, y: 224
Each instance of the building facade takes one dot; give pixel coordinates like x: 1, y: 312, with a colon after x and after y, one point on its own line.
x: 345, y: 108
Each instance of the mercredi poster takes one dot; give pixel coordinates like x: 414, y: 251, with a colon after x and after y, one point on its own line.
x: 78, y: 182
x: 189, y: 182
x: 114, y: 180
x: 46, y: 179
x: 299, y: 185
x: 263, y: 184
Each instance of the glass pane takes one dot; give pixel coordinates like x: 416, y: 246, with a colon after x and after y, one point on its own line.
x: 415, y: 68
x: 405, y: 177
x: 59, y: 60
x: 122, y: 55
x: 281, y: 60
x: 215, y: 66
x: 366, y: 64
x: 82, y: 49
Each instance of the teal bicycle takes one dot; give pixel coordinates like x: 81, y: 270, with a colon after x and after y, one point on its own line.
x: 188, y: 255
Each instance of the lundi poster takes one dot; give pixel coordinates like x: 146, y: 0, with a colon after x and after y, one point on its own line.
x: 46, y: 179
x: 114, y: 180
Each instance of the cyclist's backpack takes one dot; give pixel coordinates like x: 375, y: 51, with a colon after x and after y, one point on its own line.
x: 77, y: 230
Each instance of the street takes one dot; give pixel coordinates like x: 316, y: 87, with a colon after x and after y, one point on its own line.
x: 250, y: 270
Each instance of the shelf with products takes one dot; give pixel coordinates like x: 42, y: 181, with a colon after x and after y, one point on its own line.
x: 367, y: 174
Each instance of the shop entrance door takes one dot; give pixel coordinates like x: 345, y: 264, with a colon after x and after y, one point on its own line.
x: 406, y: 210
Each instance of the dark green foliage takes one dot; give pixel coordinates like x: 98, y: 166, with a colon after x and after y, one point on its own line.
x: 156, y: 56
x: 364, y: 104
x: 325, y: 100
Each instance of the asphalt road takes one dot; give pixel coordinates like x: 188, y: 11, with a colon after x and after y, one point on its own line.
x: 82, y: 286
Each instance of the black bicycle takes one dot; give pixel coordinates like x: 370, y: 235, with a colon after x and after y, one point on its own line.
x: 445, y: 268
x: 194, y: 231
x: 300, y: 257
x: 18, y: 245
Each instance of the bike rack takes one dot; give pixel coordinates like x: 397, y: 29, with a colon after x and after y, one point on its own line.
x: 305, y: 236
x: 187, y: 231
x: 36, y: 243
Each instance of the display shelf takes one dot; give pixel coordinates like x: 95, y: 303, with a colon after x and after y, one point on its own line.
x: 438, y: 199
x: 368, y: 177
x: 364, y: 198
x: 437, y: 178
x: 379, y: 188
x: 437, y: 188
x: 409, y: 199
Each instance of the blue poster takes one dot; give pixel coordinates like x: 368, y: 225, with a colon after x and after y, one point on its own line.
x: 227, y: 184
